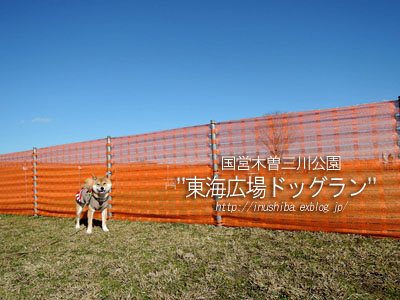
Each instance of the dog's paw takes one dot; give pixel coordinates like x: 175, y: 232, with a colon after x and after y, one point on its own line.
x: 105, y: 229
x: 89, y: 231
x: 77, y: 226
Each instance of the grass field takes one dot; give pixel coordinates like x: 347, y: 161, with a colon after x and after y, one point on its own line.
x: 46, y: 258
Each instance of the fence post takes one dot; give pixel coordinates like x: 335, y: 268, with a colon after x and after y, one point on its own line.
x: 214, y: 162
x: 35, y: 197
x: 109, y: 170
x: 397, y: 117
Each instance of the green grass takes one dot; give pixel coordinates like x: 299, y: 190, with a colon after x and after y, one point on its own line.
x: 45, y: 258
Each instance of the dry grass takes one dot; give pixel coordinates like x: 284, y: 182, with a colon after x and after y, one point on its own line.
x: 43, y: 258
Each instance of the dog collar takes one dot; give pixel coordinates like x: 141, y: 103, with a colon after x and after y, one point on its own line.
x: 99, y: 199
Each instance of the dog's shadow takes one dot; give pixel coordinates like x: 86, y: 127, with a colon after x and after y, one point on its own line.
x: 96, y: 223
x: 84, y: 221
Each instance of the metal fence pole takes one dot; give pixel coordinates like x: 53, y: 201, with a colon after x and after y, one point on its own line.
x: 35, y: 197
x: 397, y: 117
x: 214, y: 162
x: 109, y: 170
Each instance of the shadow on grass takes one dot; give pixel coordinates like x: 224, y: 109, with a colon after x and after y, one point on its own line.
x: 96, y: 223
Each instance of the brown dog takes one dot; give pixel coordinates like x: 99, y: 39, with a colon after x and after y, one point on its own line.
x: 94, y: 193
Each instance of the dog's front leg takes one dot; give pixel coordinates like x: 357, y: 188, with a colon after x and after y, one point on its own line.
x: 90, y: 220
x: 104, y: 220
x: 79, y: 209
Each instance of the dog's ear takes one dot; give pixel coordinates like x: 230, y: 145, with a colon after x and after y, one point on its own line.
x: 94, y: 177
x: 108, y: 175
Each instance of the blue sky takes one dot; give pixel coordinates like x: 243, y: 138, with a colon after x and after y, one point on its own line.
x: 72, y: 71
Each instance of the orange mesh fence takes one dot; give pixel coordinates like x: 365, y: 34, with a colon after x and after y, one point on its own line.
x: 16, y: 183
x: 61, y: 170
x: 362, y: 197
x: 148, y: 176
x: 292, y: 180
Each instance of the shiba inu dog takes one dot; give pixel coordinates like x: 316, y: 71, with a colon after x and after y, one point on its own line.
x: 95, y: 194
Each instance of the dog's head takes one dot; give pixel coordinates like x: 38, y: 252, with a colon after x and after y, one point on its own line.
x: 101, y: 185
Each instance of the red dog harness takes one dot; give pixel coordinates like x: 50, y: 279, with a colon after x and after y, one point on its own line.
x: 79, y: 196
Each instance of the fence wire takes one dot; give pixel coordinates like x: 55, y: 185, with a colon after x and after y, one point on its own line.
x: 150, y: 172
